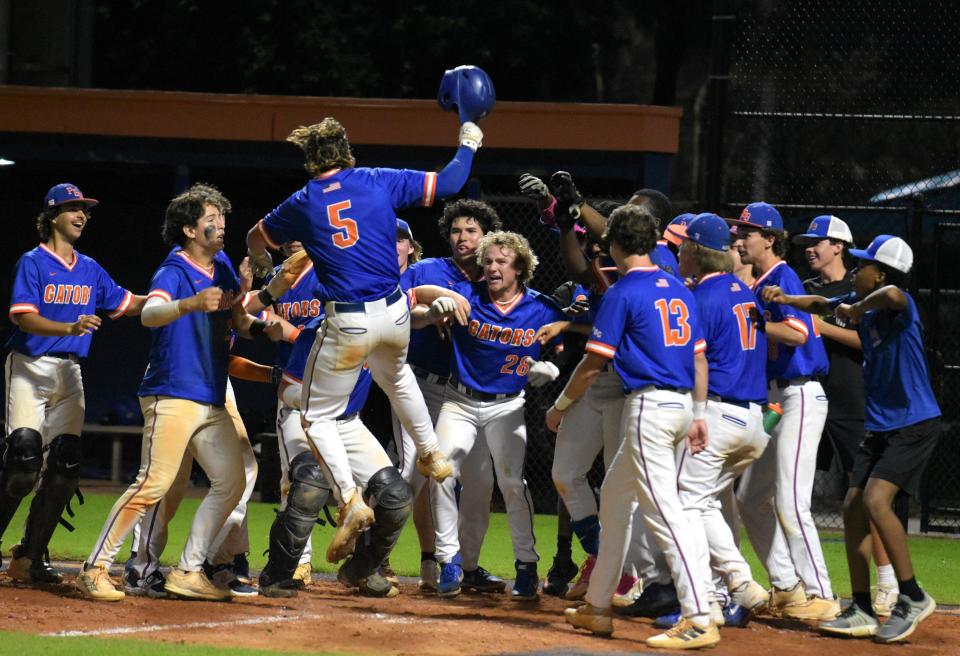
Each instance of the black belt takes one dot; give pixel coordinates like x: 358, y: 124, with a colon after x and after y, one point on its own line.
x: 346, y: 418
x: 662, y: 388
x: 477, y: 394
x: 435, y: 379
x: 340, y: 308
x: 63, y: 355
x: 799, y: 380
x: 740, y: 404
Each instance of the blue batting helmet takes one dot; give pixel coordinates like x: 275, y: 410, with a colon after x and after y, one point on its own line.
x: 470, y: 89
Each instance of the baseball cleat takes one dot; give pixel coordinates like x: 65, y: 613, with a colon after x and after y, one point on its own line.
x: 736, y: 616
x: 579, y: 589
x: 149, y: 586
x: 686, y: 635
x: 224, y: 576
x: 656, y: 599
x: 281, y: 588
x: 434, y: 465
x: 241, y: 568
x: 904, y: 618
x: 195, y: 585
x: 355, y: 518
x: 303, y: 575
x: 527, y: 583
x: 429, y: 575
x: 814, y: 608
x: 668, y: 620
x: 480, y: 580
x: 450, y: 576
x: 26, y: 570
x: 373, y: 585
x: 598, y: 621
x: 387, y: 572
x: 852, y: 622
x: 561, y: 572
x: 885, y: 599
x: 95, y: 584
x: 780, y: 599
x: 628, y: 591
x: 750, y: 594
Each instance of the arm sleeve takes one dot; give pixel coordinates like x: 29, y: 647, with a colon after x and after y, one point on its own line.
x: 454, y: 175
x: 111, y: 296
x: 27, y: 294
x: 157, y: 312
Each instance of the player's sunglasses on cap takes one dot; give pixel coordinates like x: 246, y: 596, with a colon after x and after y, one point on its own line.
x: 676, y: 230
x: 762, y: 216
x: 889, y: 250
x: 823, y: 227
x: 709, y: 231
x: 66, y: 193
x: 404, y: 227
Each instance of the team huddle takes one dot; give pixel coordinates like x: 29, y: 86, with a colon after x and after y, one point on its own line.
x: 705, y: 382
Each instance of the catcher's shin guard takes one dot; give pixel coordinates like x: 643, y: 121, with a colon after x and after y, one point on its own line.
x: 22, y: 460
x: 392, y: 501
x: 292, y: 527
x: 58, y: 485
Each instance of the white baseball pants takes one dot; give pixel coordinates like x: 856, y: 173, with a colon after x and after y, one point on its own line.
x: 44, y: 393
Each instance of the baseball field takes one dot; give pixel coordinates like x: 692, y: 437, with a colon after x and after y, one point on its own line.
x: 327, y: 619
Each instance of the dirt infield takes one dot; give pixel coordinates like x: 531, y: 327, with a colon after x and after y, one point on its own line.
x: 329, y: 618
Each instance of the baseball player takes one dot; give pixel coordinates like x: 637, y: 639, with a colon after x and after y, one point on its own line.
x: 493, y: 358
x: 56, y: 293
x: 903, y: 420
x: 648, y: 325
x: 463, y: 224
x: 345, y: 217
x: 774, y: 494
x: 193, y: 298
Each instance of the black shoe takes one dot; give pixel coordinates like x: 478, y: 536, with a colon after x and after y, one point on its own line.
x: 480, y: 580
x: 559, y: 576
x: 657, y: 599
x: 270, y: 587
x: 241, y: 568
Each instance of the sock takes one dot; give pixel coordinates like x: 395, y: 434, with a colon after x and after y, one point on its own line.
x: 587, y: 531
x: 886, y: 576
x: 427, y: 555
x: 564, y: 546
x: 911, y: 589
x: 862, y: 600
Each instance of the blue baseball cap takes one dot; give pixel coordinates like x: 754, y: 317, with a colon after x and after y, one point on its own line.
x: 403, y: 226
x: 677, y: 229
x: 826, y: 226
x: 66, y: 193
x: 889, y: 250
x: 760, y: 215
x: 710, y: 231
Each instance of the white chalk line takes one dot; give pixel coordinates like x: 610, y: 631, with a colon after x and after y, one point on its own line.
x: 153, y: 628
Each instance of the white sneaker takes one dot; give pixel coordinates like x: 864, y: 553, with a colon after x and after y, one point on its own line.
x: 885, y: 599
x: 750, y: 595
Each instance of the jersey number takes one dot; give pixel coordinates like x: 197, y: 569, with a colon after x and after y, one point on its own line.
x: 676, y: 310
x: 347, y: 234
x: 748, y: 329
x: 511, y: 362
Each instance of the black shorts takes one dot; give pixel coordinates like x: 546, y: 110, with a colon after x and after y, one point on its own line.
x: 898, y: 456
x: 845, y: 436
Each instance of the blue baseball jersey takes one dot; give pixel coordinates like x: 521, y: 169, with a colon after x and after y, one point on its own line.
x: 648, y: 325
x: 189, y: 356
x: 786, y: 362
x: 427, y: 349
x: 347, y: 222
x: 295, y: 366
x: 45, y: 284
x: 736, y: 349
x: 896, y: 380
x: 298, y: 305
x: 489, y: 352
x: 664, y: 258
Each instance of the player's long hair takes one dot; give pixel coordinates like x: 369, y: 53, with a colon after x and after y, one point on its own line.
x: 482, y: 213
x: 710, y: 260
x: 633, y: 228
x: 780, y: 241
x: 325, y: 146
x: 525, y: 261
x: 45, y: 221
x: 187, y: 208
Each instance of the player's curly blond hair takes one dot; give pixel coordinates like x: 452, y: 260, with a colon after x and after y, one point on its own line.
x: 324, y: 144
x: 525, y: 261
x: 709, y: 260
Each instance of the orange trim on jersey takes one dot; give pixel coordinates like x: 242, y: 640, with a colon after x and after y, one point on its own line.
x: 59, y: 259
x: 266, y: 236
x: 23, y: 308
x: 759, y: 281
x: 412, y: 296
x: 124, y: 306
x: 700, y: 346
x: 797, y: 325
x: 429, y: 189
x: 207, y: 271
x: 707, y: 277
x: 599, y: 348
x: 644, y: 268
x: 327, y: 174
x: 159, y: 293
x: 505, y: 309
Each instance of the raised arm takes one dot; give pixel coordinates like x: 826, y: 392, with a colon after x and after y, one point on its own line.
x: 806, y: 303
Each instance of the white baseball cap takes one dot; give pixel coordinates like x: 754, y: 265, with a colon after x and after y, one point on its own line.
x: 889, y: 250
x: 826, y: 226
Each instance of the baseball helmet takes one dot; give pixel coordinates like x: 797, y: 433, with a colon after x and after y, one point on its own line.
x: 470, y: 90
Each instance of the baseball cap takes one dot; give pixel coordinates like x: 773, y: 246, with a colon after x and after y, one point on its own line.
x: 708, y: 230
x: 403, y: 226
x: 677, y: 229
x: 760, y: 215
x: 889, y: 250
x: 66, y: 193
x: 825, y: 226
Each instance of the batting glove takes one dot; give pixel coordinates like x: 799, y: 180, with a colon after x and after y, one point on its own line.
x: 541, y: 373
x: 442, y: 307
x: 261, y: 264
x: 470, y: 136
x: 534, y: 188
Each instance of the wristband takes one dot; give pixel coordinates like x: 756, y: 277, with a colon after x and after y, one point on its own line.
x: 563, y: 402
x: 265, y: 297
x: 699, y: 410
x: 257, y: 328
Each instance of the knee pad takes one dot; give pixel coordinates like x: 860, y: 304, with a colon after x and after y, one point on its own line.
x: 64, y: 456
x: 392, y: 500
x: 59, y: 483
x: 388, y: 489
x: 308, y: 487
x: 22, y: 462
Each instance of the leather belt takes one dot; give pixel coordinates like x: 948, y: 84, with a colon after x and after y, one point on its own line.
x: 432, y: 378
x: 478, y: 395
x: 787, y: 382
x: 342, y: 419
x: 340, y: 307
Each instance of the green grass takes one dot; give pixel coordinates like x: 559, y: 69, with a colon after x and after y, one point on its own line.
x: 934, y: 558
x: 26, y: 643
